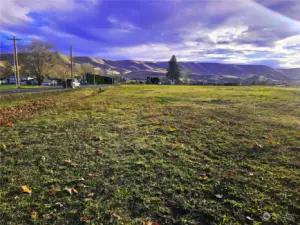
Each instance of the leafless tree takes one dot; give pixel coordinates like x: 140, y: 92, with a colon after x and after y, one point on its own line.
x: 39, y: 59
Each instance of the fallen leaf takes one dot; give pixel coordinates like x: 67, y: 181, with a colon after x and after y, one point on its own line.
x: 90, y: 194
x: 298, y: 191
x: 90, y: 137
x: 244, y: 140
x: 115, y: 216
x: 99, y: 152
x: 84, y: 219
x: 229, y: 175
x: 33, y: 214
x: 155, y: 223
x: 299, y: 134
x: 25, y: 189
x: 203, y: 176
x: 147, y: 222
x: 69, y: 163
x: 257, y: 145
x: 90, y: 175
x: 71, y: 190
x: 9, y: 124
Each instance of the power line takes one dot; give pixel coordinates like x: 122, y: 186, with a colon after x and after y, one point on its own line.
x: 17, y: 74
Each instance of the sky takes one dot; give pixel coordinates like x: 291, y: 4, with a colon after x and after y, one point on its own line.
x: 263, y: 32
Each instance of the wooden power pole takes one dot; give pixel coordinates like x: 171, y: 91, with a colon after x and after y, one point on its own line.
x: 17, y: 74
x: 71, y: 59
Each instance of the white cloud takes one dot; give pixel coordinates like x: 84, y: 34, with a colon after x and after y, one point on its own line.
x: 289, y: 41
x: 227, y: 33
x: 13, y: 12
x: 121, y: 23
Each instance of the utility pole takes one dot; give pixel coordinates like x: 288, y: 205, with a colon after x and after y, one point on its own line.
x: 94, y: 74
x: 17, y: 75
x: 71, y: 59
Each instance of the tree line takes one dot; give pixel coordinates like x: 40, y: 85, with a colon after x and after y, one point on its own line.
x: 39, y: 59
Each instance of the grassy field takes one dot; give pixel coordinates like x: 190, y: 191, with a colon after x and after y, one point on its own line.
x: 151, y: 155
x: 13, y: 86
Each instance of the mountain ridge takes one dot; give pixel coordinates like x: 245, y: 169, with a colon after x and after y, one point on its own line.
x: 137, y: 69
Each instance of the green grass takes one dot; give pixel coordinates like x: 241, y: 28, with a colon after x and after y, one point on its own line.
x: 13, y: 86
x: 172, y: 154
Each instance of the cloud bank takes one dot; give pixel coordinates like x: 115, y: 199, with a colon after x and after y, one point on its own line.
x: 232, y: 31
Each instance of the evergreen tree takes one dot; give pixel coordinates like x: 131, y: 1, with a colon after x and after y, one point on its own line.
x: 173, y: 69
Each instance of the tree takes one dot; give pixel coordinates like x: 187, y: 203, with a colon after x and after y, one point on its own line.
x: 61, y: 70
x: 7, y: 70
x: 87, y: 68
x: 99, y: 71
x: 77, y: 70
x: 38, y: 59
x: 173, y: 69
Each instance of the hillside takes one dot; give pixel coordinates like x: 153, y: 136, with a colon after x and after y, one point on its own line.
x: 134, y: 69
x: 293, y: 74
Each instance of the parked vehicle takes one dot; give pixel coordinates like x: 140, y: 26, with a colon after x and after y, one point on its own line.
x: 46, y: 83
x: 32, y: 82
x: 69, y: 83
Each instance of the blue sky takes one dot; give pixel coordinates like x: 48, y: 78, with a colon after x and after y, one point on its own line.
x: 227, y: 31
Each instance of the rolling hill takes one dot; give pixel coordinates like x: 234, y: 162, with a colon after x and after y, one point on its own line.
x: 134, y: 69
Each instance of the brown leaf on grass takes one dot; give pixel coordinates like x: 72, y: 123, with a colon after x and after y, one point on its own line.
x: 244, y: 140
x: 9, y: 124
x: 84, y: 219
x: 99, y: 152
x: 299, y: 134
x: 25, y: 189
x: 257, y: 145
x: 229, y: 175
x: 90, y: 194
x: 203, y: 176
x: 33, y: 214
x: 69, y: 163
x: 115, y: 216
x: 90, y: 137
x: 90, y: 175
x: 147, y: 222
x: 71, y: 190
x: 155, y: 223
x: 298, y: 191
